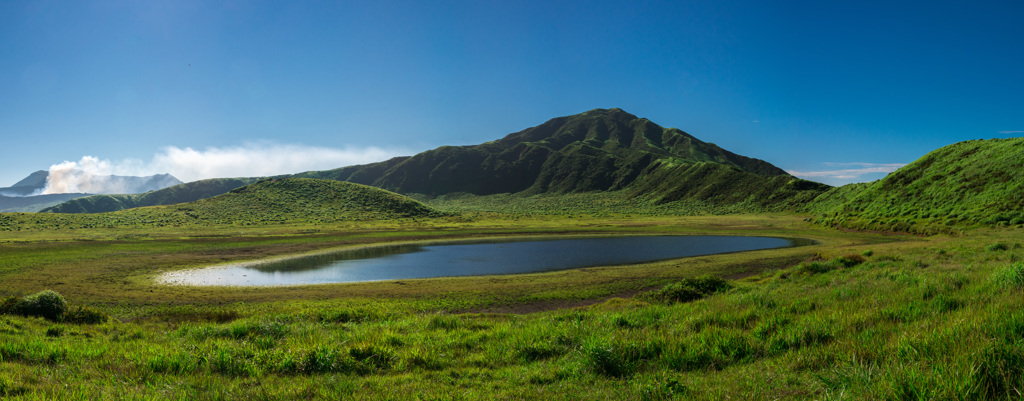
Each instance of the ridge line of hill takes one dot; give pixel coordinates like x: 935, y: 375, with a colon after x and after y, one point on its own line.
x: 604, y: 150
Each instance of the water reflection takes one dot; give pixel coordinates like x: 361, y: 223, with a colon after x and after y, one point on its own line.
x: 314, y: 262
x: 394, y: 262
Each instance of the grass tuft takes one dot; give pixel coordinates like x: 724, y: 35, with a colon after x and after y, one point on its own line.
x: 1009, y: 276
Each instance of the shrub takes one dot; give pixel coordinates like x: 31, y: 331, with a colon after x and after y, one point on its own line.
x: 46, y: 304
x: 373, y: 356
x: 849, y: 260
x: 816, y: 267
x: 620, y: 358
x: 690, y: 289
x: 998, y: 246
x: 9, y: 306
x: 662, y: 387
x: 84, y: 315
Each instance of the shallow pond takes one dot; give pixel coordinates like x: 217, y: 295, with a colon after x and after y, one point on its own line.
x: 394, y: 262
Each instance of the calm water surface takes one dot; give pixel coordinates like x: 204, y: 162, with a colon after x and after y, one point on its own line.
x: 468, y: 259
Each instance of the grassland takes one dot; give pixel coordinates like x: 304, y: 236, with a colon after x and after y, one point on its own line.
x: 919, y: 317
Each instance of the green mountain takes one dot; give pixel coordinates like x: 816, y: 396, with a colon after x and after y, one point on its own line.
x: 181, y: 193
x: 602, y: 150
x: 967, y: 183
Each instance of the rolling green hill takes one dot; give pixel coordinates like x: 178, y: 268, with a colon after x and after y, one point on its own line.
x: 181, y: 193
x: 964, y: 184
x: 298, y: 200
x: 29, y: 204
x: 266, y: 202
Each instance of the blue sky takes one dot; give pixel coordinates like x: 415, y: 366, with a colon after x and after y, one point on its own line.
x: 202, y: 89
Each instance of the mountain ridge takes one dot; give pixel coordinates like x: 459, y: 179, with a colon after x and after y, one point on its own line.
x: 598, y: 150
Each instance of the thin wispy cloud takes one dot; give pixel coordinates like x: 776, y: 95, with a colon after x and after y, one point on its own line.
x: 847, y: 175
x: 188, y: 164
x: 261, y: 159
x: 894, y: 166
x: 1011, y: 132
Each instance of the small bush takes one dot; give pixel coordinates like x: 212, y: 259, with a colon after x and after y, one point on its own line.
x: 373, y: 356
x: 8, y: 306
x: 849, y: 260
x: 619, y: 358
x: 996, y: 247
x: 84, y: 315
x: 816, y: 267
x: 690, y: 289
x: 46, y: 304
x: 662, y: 387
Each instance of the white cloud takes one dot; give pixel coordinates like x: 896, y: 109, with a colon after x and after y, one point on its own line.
x: 1011, y: 132
x: 188, y: 164
x: 253, y: 160
x: 892, y: 166
x: 848, y: 175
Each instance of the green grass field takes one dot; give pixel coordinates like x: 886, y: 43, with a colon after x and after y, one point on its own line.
x: 856, y: 316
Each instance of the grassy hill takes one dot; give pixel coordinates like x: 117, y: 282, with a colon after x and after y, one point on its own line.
x: 181, y: 193
x: 268, y: 202
x: 29, y: 204
x: 302, y: 199
x: 965, y: 184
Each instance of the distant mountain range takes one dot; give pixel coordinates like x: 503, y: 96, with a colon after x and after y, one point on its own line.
x: 610, y: 151
x: 642, y: 166
x: 599, y: 150
x: 25, y: 195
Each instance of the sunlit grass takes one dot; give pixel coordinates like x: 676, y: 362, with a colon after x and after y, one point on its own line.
x: 858, y: 316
